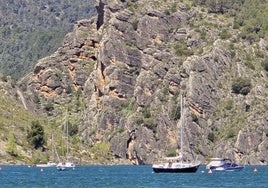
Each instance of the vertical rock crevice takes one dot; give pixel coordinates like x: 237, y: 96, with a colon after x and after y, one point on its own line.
x: 100, y: 11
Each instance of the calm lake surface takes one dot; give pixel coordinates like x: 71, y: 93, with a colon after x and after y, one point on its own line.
x: 128, y: 177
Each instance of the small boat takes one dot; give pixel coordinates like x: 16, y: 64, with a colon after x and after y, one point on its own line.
x: 48, y: 164
x: 176, y: 164
x: 65, y: 166
x: 222, y: 165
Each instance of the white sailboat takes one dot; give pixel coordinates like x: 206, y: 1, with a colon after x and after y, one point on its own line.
x: 176, y: 164
x: 66, y: 165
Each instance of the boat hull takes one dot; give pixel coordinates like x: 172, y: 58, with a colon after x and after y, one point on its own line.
x: 62, y: 168
x: 227, y: 169
x: 45, y: 165
x: 48, y: 164
x: 191, y: 169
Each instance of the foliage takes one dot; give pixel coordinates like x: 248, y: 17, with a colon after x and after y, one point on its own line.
x: 35, y: 135
x: 150, y: 124
x: 101, y: 150
x: 69, y: 89
x: 265, y: 64
x: 230, y: 133
x: 146, y: 112
x: 132, y: 6
x: 181, y: 49
x: 229, y: 105
x: 35, y: 29
x: 171, y: 152
x: 175, y: 112
x: 194, y: 118
x: 211, y: 136
x: 171, y: 9
x: 252, y: 20
x: 4, y: 78
x: 250, y: 17
x: 225, y: 34
x: 220, y: 6
x: 128, y: 107
x: 12, y: 146
x: 14, y: 120
x: 266, y: 132
x: 241, y: 86
x: 163, y: 96
x: 135, y: 24
x: 36, y: 99
x: 49, y: 107
x: 72, y: 129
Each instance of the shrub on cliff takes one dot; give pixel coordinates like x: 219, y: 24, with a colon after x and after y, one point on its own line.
x: 265, y: 64
x: 35, y: 135
x: 241, y: 86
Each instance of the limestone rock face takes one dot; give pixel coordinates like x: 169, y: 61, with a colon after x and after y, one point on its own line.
x: 132, y: 62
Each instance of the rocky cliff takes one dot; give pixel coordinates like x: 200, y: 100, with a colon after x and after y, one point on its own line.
x: 121, y: 73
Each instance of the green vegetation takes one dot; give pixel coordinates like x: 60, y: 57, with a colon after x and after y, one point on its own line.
x: 181, y: 49
x: 232, y: 117
x: 265, y: 64
x: 266, y: 132
x: 176, y: 108
x: 171, y: 152
x: 87, y: 65
x: 171, y: 9
x: 132, y: 6
x: 225, y: 34
x: 146, y: 118
x: 163, y: 95
x: 49, y: 107
x: 229, y: 105
x: 250, y: 16
x: 241, y: 86
x: 135, y: 24
x: 33, y: 30
x: 128, y: 108
x: 73, y: 129
x: 101, y: 151
x: 230, y: 133
x: 150, y: 124
x: 211, y: 136
x: 252, y: 20
x: 12, y: 146
x: 175, y: 112
x: 35, y: 135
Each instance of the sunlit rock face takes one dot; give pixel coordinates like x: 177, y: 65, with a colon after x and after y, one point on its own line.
x: 130, y: 65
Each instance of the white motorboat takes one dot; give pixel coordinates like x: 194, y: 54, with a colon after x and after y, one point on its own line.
x: 221, y: 165
x: 65, y: 166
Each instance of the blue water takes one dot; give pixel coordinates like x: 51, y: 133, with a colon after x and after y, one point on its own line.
x: 129, y: 177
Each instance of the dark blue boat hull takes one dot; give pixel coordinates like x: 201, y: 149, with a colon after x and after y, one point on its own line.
x: 176, y: 170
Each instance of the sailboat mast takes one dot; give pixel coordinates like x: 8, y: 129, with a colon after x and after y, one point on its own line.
x: 58, y: 157
x: 52, y: 149
x: 67, y: 139
x: 181, y: 127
